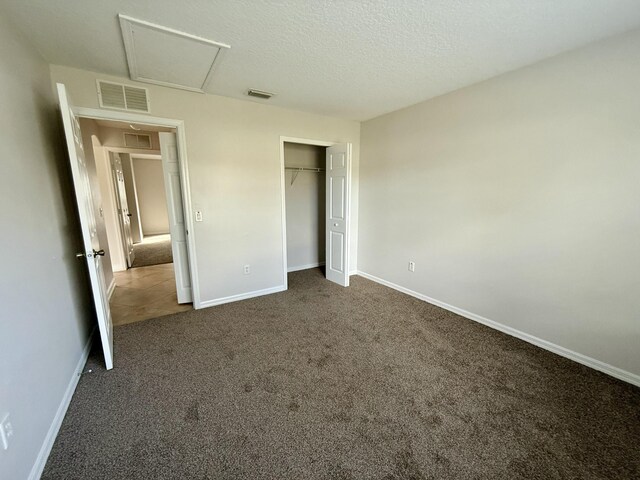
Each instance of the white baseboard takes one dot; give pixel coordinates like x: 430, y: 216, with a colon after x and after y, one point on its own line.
x: 241, y: 296
x: 47, y: 445
x: 304, y: 267
x: 111, y: 289
x: 552, y: 347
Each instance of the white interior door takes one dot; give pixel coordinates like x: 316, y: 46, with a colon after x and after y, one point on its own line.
x: 338, y: 199
x: 92, y: 253
x: 122, y: 206
x: 177, y: 226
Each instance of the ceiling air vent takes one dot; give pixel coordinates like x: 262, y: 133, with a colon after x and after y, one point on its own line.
x: 260, y: 94
x: 123, y: 97
x: 137, y: 140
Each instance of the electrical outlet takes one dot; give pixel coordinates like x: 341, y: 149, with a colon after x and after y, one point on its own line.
x: 412, y: 266
x: 6, y: 431
x: 247, y: 269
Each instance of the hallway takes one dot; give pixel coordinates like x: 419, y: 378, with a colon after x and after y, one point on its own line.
x: 153, y: 250
x: 145, y: 292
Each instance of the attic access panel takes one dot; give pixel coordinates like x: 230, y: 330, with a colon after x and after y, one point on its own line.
x: 168, y: 57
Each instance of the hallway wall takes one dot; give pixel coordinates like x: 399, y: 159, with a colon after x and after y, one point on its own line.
x: 152, y: 198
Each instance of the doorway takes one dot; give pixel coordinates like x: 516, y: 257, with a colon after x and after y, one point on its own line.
x: 91, y: 211
x: 305, y: 205
x: 150, y: 219
x: 134, y: 166
x: 316, y: 186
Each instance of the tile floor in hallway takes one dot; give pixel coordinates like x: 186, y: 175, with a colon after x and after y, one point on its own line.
x: 145, y: 292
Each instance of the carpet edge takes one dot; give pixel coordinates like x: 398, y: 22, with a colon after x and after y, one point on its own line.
x: 590, y: 362
x: 240, y: 296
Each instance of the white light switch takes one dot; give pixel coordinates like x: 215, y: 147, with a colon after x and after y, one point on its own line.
x: 198, y: 216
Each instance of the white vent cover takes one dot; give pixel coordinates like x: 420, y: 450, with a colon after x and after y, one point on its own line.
x: 252, y: 92
x: 168, y: 57
x: 137, y: 140
x: 123, y: 97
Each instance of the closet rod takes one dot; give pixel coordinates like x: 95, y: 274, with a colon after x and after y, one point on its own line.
x: 305, y: 169
x: 297, y: 170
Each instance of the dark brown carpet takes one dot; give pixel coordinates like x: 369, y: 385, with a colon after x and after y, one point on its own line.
x: 322, y: 382
x: 154, y: 253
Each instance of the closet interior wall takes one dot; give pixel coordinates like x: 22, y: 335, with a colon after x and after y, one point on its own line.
x: 305, y: 205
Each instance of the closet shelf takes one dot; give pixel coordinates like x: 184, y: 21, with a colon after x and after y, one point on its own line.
x: 297, y: 170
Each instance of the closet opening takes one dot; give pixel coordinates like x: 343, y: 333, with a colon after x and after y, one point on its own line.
x: 305, y: 200
x: 316, y: 177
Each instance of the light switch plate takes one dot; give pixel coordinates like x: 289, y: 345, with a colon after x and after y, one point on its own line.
x: 198, y: 216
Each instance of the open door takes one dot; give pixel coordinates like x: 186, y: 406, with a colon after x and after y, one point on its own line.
x: 177, y: 226
x: 92, y: 253
x: 124, y: 216
x: 338, y: 174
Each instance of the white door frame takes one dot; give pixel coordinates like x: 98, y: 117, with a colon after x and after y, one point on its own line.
x: 117, y: 214
x: 135, y: 192
x: 133, y: 154
x: 120, y: 259
x: 112, y: 223
x: 184, y: 174
x: 303, y: 141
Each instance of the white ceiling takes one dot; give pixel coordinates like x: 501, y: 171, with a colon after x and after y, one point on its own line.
x: 350, y: 59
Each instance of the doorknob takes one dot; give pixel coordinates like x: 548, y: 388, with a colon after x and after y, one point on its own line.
x: 98, y: 252
x: 79, y: 255
x: 335, y: 224
x: 129, y: 214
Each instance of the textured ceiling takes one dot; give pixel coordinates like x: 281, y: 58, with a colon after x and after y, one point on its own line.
x: 350, y: 59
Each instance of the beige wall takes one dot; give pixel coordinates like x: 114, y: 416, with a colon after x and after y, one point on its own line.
x: 234, y: 165
x: 46, y: 308
x: 305, y: 206
x: 519, y: 200
x: 151, y: 196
